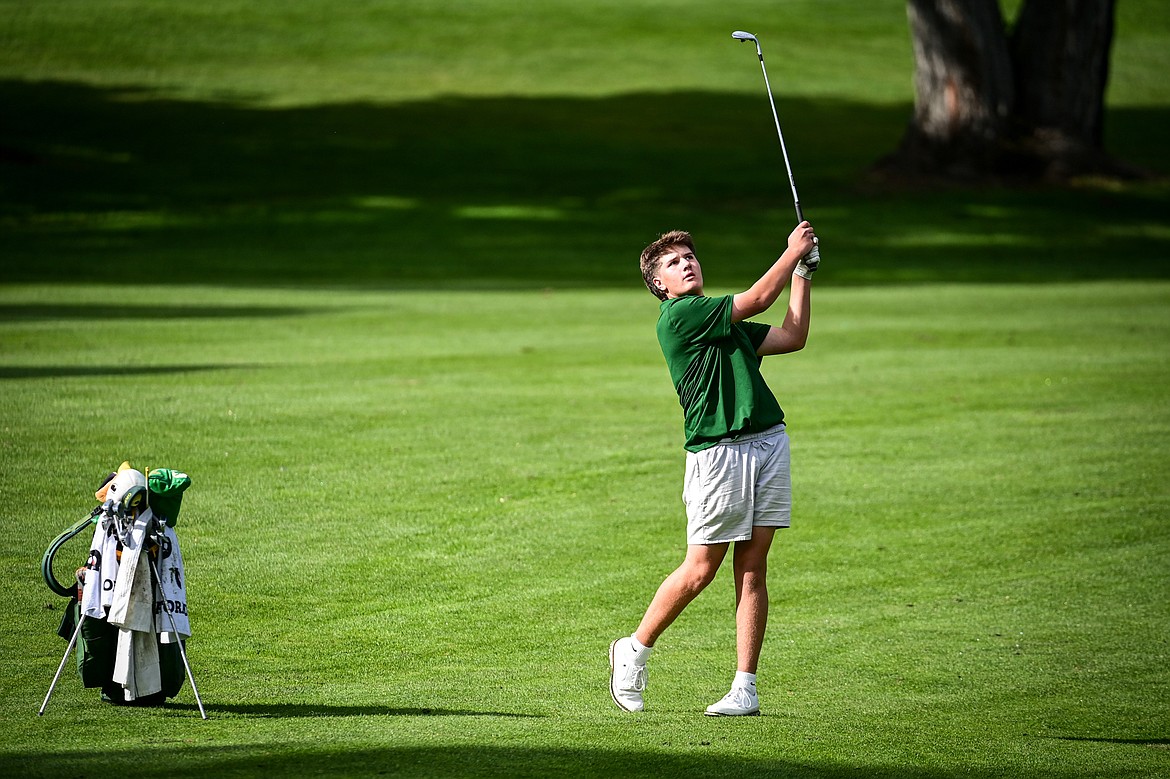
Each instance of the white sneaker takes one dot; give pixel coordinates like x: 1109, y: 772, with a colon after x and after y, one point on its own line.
x: 740, y: 702
x: 626, y: 680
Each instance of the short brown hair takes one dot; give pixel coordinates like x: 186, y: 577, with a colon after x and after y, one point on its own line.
x: 652, y: 257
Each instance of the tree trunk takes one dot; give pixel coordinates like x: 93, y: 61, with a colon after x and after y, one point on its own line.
x: 962, y: 82
x: 987, y: 106
x: 963, y: 74
x: 1060, y: 49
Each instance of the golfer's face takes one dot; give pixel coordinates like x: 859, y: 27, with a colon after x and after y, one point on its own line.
x: 679, y: 273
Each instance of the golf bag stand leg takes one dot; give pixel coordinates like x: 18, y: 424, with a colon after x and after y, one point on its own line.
x: 182, y: 651
x: 60, y: 668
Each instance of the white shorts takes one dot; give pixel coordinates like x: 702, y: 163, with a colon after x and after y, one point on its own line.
x: 733, y: 486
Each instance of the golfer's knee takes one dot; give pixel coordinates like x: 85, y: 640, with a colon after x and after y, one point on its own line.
x: 748, y: 565
x: 754, y: 580
x: 696, y: 576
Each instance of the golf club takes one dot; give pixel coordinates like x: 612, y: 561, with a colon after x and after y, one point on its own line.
x: 814, y: 256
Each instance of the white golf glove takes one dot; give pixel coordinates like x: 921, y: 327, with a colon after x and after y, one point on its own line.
x: 809, y: 263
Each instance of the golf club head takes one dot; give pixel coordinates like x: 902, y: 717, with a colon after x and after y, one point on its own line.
x: 744, y: 37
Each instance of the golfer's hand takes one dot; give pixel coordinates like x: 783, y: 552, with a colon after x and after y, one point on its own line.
x: 802, y: 239
x: 810, y: 259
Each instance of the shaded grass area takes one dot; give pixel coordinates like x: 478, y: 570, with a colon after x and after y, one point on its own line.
x: 101, y: 183
x: 418, y: 518
x: 489, y: 761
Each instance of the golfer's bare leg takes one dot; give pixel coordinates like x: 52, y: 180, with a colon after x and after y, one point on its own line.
x: 750, y: 561
x: 679, y: 589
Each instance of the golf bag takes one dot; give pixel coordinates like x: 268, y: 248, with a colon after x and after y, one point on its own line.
x: 129, y: 623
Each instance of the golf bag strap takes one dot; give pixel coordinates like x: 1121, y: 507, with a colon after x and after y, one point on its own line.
x: 64, y: 590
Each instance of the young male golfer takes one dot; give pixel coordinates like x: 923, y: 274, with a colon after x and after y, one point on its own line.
x: 736, y: 487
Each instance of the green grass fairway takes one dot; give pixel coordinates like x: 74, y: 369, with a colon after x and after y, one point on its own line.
x: 365, y: 271
x: 418, y: 519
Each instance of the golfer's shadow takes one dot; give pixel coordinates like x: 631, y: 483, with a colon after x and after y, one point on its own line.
x: 290, y: 710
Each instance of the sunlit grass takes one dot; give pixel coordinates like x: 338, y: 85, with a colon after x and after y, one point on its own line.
x: 418, y: 518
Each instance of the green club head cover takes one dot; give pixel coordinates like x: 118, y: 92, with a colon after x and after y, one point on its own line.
x: 166, y: 487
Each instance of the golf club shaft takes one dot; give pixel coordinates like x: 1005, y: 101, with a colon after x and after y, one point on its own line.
x: 780, y: 135
x: 811, y: 260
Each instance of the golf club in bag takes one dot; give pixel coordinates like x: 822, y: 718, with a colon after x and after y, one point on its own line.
x: 813, y: 258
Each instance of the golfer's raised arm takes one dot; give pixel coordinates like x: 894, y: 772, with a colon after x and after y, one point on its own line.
x: 761, y: 295
x: 793, y: 334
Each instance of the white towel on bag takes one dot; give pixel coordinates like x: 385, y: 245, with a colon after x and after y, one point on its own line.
x: 136, y: 665
x: 98, y: 593
x: 133, y: 603
x: 172, y: 595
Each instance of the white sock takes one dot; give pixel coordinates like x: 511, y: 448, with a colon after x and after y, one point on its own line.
x: 641, y: 652
x: 745, y: 680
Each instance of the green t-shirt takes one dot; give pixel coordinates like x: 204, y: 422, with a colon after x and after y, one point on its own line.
x: 715, y: 370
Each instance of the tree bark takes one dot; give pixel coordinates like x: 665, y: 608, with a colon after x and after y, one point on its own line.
x: 990, y: 106
x: 1060, y: 50
x: 962, y: 82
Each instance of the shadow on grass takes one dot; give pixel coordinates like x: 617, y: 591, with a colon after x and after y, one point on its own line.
x: 101, y: 312
x: 458, y: 760
x: 1141, y: 742
x: 296, y: 710
x: 102, y: 184
x: 16, y: 372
